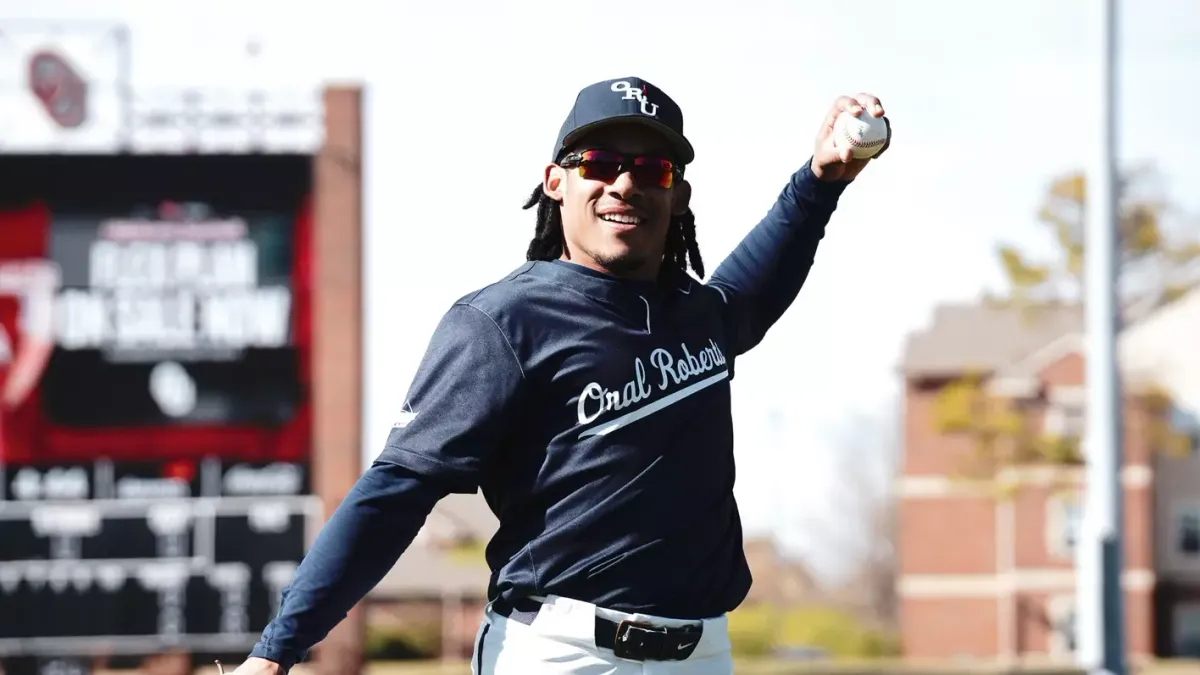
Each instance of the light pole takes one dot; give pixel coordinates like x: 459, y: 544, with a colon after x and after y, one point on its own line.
x: 1099, y: 600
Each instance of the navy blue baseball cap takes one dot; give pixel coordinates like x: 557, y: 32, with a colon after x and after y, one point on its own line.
x: 625, y: 100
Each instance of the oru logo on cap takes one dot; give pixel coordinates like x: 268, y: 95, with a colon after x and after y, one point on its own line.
x: 635, y: 94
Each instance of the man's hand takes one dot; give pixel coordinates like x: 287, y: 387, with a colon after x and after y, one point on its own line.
x: 257, y: 666
x: 831, y: 163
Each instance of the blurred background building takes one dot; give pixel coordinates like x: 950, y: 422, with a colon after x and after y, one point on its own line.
x: 990, y: 495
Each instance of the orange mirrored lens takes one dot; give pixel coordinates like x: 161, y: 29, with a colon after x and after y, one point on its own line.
x: 605, y: 166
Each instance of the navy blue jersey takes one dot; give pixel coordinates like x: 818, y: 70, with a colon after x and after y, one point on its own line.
x: 594, y: 414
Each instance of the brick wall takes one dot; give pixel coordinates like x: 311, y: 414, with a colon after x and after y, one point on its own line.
x: 990, y: 576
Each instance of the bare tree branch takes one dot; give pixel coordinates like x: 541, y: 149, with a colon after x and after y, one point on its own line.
x: 862, y: 531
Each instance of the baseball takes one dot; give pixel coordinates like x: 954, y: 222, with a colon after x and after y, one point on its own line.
x: 865, y: 135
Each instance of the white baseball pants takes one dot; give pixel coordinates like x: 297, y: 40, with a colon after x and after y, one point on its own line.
x: 561, y: 641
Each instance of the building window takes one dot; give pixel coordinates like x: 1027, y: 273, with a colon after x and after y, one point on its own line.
x: 1060, y: 618
x: 1066, y: 412
x: 1063, y: 521
x: 1073, y: 421
x: 1066, y: 420
x: 1186, y: 630
x: 1188, y: 532
x: 1070, y: 530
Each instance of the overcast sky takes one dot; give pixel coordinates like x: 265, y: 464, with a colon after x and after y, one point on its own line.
x: 989, y: 101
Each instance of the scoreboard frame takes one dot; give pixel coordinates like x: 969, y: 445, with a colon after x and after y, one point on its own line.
x: 333, y: 364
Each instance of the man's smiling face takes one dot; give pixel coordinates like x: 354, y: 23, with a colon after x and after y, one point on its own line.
x: 618, y: 223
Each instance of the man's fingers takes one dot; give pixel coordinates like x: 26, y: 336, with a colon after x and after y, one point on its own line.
x: 871, y: 104
x: 846, y: 104
x: 841, y: 105
x: 854, y: 105
x: 831, y: 154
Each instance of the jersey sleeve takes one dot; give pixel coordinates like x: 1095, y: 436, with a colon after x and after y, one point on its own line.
x: 462, y: 403
x: 761, y: 278
x: 361, y: 542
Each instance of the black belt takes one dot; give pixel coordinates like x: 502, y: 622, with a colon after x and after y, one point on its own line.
x: 631, y: 640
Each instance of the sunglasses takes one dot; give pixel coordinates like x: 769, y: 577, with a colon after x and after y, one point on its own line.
x: 605, y: 166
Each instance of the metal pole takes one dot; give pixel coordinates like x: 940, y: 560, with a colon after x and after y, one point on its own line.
x: 1101, y: 616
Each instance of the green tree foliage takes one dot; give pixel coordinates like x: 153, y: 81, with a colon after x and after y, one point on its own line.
x: 1160, y: 247
x: 411, y: 641
x: 1159, y: 261
x: 1000, y: 431
x: 760, y: 630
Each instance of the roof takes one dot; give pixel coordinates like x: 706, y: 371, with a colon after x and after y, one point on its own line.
x: 985, y: 337
x: 1012, y: 346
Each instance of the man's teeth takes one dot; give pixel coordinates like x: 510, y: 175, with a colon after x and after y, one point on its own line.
x: 618, y: 218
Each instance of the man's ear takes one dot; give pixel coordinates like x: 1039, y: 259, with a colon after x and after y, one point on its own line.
x: 681, y: 198
x: 554, y: 180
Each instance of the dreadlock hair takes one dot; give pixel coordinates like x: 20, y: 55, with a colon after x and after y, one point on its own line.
x: 681, y: 251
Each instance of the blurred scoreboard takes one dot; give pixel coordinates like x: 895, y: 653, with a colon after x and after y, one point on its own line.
x: 156, y: 424
x: 125, y: 558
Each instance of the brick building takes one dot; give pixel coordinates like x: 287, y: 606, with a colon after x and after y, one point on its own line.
x: 989, y: 573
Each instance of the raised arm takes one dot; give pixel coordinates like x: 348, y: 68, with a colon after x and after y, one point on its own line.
x: 464, y: 396
x: 762, y: 276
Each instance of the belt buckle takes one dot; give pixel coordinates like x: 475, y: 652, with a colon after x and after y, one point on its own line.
x: 630, y: 641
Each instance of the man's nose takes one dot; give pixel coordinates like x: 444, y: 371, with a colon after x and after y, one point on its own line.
x: 624, y: 186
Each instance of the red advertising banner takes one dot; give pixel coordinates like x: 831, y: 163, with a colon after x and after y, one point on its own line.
x: 166, y: 317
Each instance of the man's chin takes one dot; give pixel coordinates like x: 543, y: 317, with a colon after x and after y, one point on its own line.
x: 622, y: 263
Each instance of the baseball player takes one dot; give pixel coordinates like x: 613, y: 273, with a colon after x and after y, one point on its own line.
x: 587, y: 395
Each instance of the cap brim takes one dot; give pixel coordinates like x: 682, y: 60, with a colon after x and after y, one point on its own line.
x: 684, y: 153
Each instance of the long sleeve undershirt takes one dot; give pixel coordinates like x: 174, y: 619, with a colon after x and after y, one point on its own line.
x: 360, y: 543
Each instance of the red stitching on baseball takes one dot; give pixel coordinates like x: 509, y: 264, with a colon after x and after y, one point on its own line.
x: 869, y: 144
